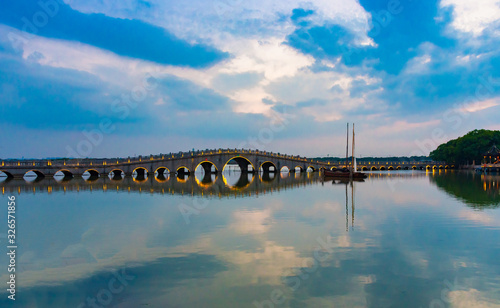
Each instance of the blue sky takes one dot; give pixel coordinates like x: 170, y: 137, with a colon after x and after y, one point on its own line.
x: 283, y: 76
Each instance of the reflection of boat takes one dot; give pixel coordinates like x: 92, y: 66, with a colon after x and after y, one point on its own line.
x: 346, y: 174
x: 338, y: 180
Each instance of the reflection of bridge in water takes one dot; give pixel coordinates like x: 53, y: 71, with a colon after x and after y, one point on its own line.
x: 228, y: 184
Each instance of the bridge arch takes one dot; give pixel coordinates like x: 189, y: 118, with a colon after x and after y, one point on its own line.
x: 242, y: 183
x: 333, y: 168
x: 312, y: 168
x: 182, y: 178
x: 62, y: 175
x: 382, y: 168
x: 183, y: 170
x: 90, y: 174
x: 207, y: 166
x: 209, y: 177
x: 5, y: 174
x: 116, y: 174
x: 299, y: 168
x: 207, y: 181
x: 34, y: 174
x: 428, y: 167
x: 287, y: 169
x: 140, y: 174
x: 64, y: 172
x: 161, y: 178
x: 242, y: 162
x: 390, y: 168
x: 399, y: 168
x: 266, y: 166
x: 441, y: 167
x: 364, y: 168
x: 373, y: 168
x: 161, y: 171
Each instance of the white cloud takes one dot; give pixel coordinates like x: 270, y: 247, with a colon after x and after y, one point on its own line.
x: 473, y: 17
x: 271, y: 57
x: 253, y: 33
x: 198, y: 19
x: 482, y: 105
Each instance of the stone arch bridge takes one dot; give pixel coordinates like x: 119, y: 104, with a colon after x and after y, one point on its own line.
x: 212, y: 161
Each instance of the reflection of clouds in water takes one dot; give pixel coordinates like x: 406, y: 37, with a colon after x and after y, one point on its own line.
x: 53, y: 276
x: 266, y: 265
x: 263, y: 239
x: 472, y: 298
x: 252, y: 222
x: 487, y: 218
x: 403, y: 194
x: 323, y: 209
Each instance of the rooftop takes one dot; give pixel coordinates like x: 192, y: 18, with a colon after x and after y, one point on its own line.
x: 493, y: 151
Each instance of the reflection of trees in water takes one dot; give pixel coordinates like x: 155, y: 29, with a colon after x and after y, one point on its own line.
x: 475, y: 190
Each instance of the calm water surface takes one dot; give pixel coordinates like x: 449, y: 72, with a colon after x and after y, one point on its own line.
x: 404, y: 239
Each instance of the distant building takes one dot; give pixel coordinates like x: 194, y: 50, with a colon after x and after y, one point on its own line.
x: 492, y: 156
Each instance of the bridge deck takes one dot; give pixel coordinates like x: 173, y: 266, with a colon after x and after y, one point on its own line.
x: 248, y: 160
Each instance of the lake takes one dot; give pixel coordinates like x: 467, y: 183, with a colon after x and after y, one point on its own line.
x: 398, y: 239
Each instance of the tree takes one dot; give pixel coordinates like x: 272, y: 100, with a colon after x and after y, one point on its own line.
x: 467, y: 148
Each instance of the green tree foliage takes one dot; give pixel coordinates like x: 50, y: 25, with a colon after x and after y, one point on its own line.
x: 467, y: 148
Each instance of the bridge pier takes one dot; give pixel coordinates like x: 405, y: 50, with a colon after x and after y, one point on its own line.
x: 266, y: 177
x: 207, y: 177
x: 244, y: 169
x: 207, y: 167
x: 267, y: 169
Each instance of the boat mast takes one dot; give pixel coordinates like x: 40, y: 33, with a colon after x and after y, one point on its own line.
x: 347, y: 149
x: 352, y: 164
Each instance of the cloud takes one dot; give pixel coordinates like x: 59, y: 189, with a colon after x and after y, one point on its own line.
x: 473, y: 17
x: 233, y: 82
x: 37, y: 97
x: 394, y: 35
x: 202, y: 20
x: 482, y: 105
x: 185, y: 96
x: 126, y: 37
x: 225, y: 67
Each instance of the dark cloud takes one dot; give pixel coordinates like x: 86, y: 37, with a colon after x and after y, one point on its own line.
x: 125, y: 37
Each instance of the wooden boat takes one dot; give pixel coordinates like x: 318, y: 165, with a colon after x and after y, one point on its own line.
x: 345, y: 173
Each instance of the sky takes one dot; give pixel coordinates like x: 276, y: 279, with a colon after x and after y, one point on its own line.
x: 121, y: 78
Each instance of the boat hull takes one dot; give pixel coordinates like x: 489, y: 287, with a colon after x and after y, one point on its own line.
x: 343, y: 175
